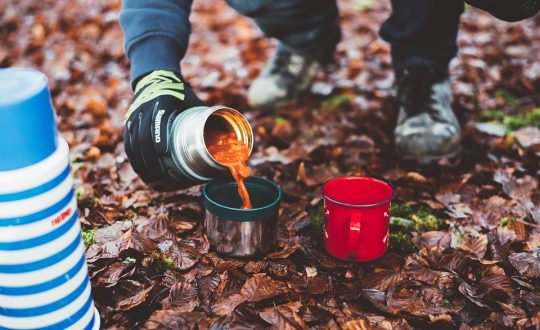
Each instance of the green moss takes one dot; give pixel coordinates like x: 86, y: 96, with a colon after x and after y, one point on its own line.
x: 315, y: 228
x: 95, y: 202
x: 493, y: 114
x: 402, y: 223
x: 505, y: 221
x: 88, y: 236
x: 424, y: 218
x: 335, y: 102
x: 80, y: 194
x: 161, y: 263
x: 168, y: 262
x: 531, y: 118
x: 427, y: 222
x: 363, y: 4
x: 401, y: 210
x: 309, y: 133
x: 401, y: 243
x: 280, y: 120
x: 506, y: 95
x: 131, y: 215
x: 515, y: 121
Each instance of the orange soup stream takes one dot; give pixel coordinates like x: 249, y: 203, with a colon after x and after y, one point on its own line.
x: 233, y: 154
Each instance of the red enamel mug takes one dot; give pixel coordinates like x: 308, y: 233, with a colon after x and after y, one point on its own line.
x: 357, y: 217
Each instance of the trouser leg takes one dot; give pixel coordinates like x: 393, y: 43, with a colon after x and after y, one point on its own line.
x: 508, y: 10
x: 423, y: 32
x: 306, y: 26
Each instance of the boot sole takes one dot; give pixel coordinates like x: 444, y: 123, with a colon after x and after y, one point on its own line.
x: 430, y: 159
x: 271, y: 108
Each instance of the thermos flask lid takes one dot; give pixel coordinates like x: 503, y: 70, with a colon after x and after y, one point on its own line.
x: 221, y: 197
x: 27, y: 128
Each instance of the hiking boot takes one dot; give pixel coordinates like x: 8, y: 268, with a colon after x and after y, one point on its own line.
x: 427, y: 129
x: 286, y: 75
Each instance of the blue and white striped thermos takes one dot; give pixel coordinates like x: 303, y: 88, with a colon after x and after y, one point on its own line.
x: 44, y: 280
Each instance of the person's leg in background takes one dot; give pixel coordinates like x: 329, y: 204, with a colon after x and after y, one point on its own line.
x: 422, y: 34
x: 308, y: 32
x: 508, y: 10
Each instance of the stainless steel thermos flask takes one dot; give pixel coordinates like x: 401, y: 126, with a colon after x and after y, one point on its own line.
x: 187, y: 159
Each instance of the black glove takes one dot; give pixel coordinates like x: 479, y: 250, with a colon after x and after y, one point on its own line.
x: 159, y: 98
x: 508, y: 10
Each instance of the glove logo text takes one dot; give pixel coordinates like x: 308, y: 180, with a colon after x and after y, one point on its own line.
x: 157, y: 126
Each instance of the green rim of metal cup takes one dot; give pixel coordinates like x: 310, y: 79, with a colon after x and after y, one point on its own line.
x: 237, y: 214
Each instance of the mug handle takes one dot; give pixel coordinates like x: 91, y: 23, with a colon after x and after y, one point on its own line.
x: 354, y: 235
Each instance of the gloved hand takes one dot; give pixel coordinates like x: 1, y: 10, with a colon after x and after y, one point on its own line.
x: 159, y: 98
x: 508, y: 10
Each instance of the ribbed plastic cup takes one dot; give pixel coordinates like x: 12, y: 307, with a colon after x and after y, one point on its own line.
x: 44, y: 280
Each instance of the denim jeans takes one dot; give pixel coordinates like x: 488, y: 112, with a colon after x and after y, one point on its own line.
x: 420, y: 32
x: 423, y: 32
x: 307, y: 26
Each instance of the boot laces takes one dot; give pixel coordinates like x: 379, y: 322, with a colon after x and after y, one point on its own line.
x: 287, y: 63
x: 416, y: 92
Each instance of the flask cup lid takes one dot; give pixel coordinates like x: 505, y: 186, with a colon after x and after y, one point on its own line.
x: 221, y: 198
x: 27, y: 126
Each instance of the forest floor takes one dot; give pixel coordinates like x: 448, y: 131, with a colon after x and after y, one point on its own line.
x: 465, y: 243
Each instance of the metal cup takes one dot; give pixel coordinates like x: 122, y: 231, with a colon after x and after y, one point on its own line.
x: 241, y: 232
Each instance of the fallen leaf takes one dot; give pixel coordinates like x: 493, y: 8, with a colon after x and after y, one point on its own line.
x: 431, y: 239
x: 474, y: 293
x: 533, y: 242
x: 357, y: 324
x: 172, y: 320
x: 491, y: 129
x: 183, y: 255
x: 528, y: 137
x: 112, y: 274
x: 476, y: 245
x: 255, y: 266
x: 311, y: 271
x: 415, y: 177
x: 261, y: 286
x: 526, y: 263
x: 419, y: 299
x: 183, y: 297
x: 155, y: 228
x: 136, y: 300
x: 316, y: 285
x: 284, y: 318
x: 227, y: 305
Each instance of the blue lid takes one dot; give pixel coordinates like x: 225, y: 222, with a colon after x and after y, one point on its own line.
x: 27, y: 121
